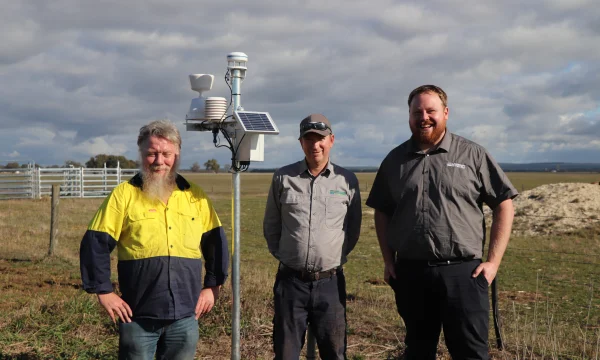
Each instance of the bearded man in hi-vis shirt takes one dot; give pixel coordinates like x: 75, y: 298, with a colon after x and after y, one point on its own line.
x: 162, y: 226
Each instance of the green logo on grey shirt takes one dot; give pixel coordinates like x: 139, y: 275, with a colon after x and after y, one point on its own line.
x: 337, y: 192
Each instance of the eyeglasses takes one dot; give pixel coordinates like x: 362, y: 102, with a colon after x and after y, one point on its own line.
x: 314, y: 125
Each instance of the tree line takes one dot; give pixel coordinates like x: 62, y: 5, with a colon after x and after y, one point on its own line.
x: 111, y: 161
x: 94, y: 162
x: 209, y: 165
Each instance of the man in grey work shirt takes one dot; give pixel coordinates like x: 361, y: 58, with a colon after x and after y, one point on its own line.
x: 312, y: 222
x: 428, y: 196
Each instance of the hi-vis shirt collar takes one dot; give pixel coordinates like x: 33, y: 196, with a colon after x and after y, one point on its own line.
x: 181, y: 182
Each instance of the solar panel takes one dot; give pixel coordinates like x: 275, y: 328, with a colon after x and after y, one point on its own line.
x: 256, y: 122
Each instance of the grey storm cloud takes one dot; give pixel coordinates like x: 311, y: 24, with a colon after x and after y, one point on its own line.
x: 578, y: 80
x: 585, y: 126
x: 522, y: 78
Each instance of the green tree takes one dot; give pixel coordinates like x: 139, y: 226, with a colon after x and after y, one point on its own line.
x: 111, y: 161
x: 12, y: 165
x: 195, y: 167
x: 213, y: 165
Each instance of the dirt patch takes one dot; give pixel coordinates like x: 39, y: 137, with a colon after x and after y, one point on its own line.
x: 521, y: 297
x: 376, y: 281
x: 550, y: 209
x: 555, y: 209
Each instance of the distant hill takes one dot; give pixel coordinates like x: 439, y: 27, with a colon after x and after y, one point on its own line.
x: 508, y: 167
x: 531, y: 167
x: 552, y: 166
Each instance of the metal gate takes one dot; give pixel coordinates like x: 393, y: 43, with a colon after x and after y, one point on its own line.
x: 17, y: 183
x: 74, y: 182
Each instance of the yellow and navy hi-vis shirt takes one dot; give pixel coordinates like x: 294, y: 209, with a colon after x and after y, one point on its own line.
x: 160, y: 249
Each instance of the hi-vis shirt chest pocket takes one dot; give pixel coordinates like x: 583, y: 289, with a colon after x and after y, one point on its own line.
x: 142, y: 226
x: 336, y: 208
x: 190, y: 229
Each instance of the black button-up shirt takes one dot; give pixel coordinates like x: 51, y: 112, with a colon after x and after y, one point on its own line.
x: 435, y: 199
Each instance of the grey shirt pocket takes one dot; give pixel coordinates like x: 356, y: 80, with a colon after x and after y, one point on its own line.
x: 336, y: 208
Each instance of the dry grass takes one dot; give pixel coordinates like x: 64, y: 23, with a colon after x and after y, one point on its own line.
x: 47, y: 315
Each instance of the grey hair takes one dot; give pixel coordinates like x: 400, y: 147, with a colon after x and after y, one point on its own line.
x: 161, y: 128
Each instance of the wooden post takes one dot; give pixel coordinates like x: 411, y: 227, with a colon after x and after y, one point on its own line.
x: 54, y: 218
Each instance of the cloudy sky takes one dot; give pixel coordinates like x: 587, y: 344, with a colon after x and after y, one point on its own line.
x: 79, y: 78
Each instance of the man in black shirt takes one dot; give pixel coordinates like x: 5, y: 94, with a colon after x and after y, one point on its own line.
x: 428, y: 198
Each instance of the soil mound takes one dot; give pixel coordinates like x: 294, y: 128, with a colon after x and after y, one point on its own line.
x: 555, y: 209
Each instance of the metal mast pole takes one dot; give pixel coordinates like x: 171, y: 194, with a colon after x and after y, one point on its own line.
x: 235, y: 270
x: 236, y: 79
x: 201, y: 117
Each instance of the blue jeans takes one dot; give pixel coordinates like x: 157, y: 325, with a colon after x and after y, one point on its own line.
x: 169, y: 339
x: 320, y: 304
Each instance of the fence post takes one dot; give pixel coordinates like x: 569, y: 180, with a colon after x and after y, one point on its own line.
x: 39, y: 183
x: 118, y: 172
x: 81, y: 183
x: 32, y: 180
x: 54, y: 218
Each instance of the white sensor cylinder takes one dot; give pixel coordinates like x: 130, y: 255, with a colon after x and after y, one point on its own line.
x: 237, y: 60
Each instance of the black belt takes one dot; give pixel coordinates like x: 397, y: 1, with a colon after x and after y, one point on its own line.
x: 445, y: 262
x: 307, y: 276
x: 432, y: 263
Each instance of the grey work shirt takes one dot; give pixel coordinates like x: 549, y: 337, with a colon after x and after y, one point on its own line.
x: 435, y: 200
x: 312, y: 222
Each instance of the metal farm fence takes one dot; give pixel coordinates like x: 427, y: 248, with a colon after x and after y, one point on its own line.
x: 74, y: 182
x: 17, y: 183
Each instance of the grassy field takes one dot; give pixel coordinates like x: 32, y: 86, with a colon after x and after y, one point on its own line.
x: 548, y: 298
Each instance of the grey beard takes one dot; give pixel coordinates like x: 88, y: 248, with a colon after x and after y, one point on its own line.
x: 158, y: 187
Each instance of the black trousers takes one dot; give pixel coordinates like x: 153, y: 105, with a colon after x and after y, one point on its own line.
x: 320, y: 304
x: 430, y: 298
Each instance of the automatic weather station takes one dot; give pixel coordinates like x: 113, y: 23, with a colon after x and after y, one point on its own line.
x: 244, y: 133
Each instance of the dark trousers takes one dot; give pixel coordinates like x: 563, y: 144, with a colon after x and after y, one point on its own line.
x: 430, y: 298
x: 320, y: 304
